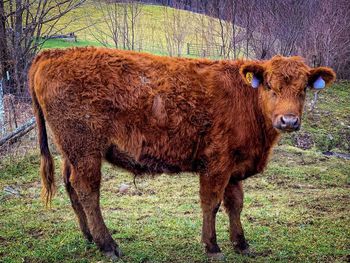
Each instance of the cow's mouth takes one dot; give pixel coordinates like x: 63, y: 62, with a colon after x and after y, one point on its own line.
x: 287, y: 130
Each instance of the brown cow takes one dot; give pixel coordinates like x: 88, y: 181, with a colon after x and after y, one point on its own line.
x: 152, y: 114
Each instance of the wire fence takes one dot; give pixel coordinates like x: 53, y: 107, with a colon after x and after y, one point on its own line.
x: 16, y: 120
x: 211, y: 51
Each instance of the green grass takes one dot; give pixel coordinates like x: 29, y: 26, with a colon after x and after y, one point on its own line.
x: 297, y: 211
x: 60, y: 43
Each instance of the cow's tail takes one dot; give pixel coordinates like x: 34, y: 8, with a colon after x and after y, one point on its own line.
x: 47, y: 164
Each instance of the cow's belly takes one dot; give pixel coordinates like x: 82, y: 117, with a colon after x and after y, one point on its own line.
x: 148, y: 147
x: 152, y: 151
x: 145, y: 163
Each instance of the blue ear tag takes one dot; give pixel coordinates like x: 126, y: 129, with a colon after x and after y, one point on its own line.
x: 255, y: 82
x: 319, y: 83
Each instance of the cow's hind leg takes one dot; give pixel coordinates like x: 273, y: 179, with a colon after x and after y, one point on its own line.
x: 77, y: 207
x: 211, y: 193
x: 233, y: 202
x: 86, y: 179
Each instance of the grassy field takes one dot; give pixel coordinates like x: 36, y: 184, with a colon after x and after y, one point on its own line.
x: 296, y: 211
x: 153, y: 25
x: 60, y: 43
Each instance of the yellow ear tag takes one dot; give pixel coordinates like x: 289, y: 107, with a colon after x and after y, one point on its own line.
x: 249, y: 77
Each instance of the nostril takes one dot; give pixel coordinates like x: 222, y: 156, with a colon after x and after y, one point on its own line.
x: 296, y: 122
x: 282, y: 120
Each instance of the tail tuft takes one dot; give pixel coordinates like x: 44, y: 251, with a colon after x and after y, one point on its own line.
x: 47, y: 179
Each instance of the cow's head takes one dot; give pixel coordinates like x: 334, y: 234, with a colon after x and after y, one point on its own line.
x: 282, y: 83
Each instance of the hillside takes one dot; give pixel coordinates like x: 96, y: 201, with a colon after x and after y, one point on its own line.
x: 158, y: 29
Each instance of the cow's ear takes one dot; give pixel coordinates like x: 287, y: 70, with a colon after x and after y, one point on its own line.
x: 252, y: 73
x: 321, y: 77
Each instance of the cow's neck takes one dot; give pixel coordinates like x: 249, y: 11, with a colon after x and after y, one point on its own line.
x: 239, y: 117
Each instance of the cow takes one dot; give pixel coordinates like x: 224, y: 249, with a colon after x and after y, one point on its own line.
x: 152, y: 114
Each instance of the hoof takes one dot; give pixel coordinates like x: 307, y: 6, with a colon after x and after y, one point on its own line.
x: 113, y: 255
x: 219, y: 256
x: 112, y: 251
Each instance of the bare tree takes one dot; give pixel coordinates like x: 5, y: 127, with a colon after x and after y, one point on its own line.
x: 233, y: 15
x: 4, y: 67
x: 109, y: 27
x: 328, y: 31
x: 202, y: 37
x: 223, y: 27
x: 264, y: 21
x: 220, y: 8
x: 118, y: 24
x: 291, y: 24
x: 23, y: 23
x: 134, y: 13
x: 175, y: 29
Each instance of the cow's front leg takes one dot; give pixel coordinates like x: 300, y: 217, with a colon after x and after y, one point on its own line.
x: 233, y: 202
x: 211, y: 193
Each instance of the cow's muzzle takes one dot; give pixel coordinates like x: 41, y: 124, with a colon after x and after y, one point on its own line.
x: 287, y: 123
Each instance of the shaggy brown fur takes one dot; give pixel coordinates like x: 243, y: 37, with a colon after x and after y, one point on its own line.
x: 153, y: 114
